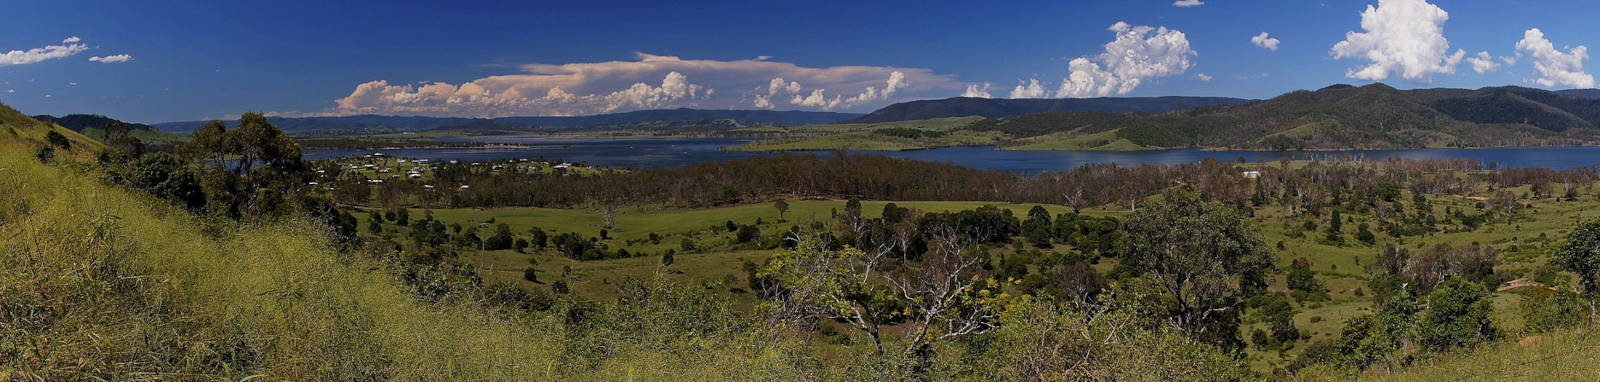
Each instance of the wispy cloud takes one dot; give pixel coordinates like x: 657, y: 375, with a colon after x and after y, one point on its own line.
x: 48, y: 52
x: 115, y: 58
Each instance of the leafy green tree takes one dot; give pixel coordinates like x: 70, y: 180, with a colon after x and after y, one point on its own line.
x: 893, y: 213
x: 1014, y: 267
x: 1581, y: 255
x: 540, y: 239
x: 1037, y: 228
x: 1202, y: 255
x: 209, y: 143
x: 1335, y: 232
x: 374, y: 223
x: 258, y: 142
x: 46, y: 154
x: 1458, y: 315
x: 56, y: 139
x: 163, y: 175
x: 667, y: 258
x: 1545, y: 310
x: 1278, y: 311
x: 502, y: 238
x: 1301, y: 278
x: 1394, y: 327
x: 782, y: 207
x: 748, y: 234
x: 1364, y: 235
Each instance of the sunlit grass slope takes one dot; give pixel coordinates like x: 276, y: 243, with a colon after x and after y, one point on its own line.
x: 100, y: 282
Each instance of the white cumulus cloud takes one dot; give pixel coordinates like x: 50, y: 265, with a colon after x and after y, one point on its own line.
x: 896, y: 81
x: 1203, y: 77
x: 1188, y: 3
x: 650, y: 81
x: 70, y: 40
x: 1138, y: 53
x: 819, y: 99
x: 1483, y: 63
x: 976, y: 91
x: 49, y: 52
x: 1556, y: 68
x: 1400, y: 36
x: 115, y: 58
x: 1032, y: 89
x: 1263, y: 41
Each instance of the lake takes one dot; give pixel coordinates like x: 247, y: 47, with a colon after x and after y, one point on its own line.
x: 675, y: 152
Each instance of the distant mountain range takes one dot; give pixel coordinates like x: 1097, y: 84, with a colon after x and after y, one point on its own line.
x: 1007, y: 108
x: 1337, y: 117
x: 643, y: 119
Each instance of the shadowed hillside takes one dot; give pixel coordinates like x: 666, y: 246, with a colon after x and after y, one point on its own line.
x: 1006, y: 108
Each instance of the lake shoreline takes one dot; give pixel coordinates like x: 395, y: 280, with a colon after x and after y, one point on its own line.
x: 678, y: 152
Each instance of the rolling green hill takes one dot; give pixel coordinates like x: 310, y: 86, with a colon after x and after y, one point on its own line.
x: 1338, y: 117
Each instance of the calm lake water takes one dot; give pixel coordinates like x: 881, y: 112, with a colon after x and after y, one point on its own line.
x: 675, y: 152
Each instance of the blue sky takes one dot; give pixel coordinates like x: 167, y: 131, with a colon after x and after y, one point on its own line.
x: 194, y: 60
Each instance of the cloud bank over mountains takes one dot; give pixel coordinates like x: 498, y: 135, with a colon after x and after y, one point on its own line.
x: 1402, y: 39
x: 650, y: 82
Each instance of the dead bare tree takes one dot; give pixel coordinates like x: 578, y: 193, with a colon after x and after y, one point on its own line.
x: 940, y: 295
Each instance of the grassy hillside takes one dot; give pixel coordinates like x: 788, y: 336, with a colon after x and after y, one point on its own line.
x: 1560, y: 356
x: 27, y: 134
x: 100, y: 282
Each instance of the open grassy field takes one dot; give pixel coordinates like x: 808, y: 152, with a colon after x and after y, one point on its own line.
x: 1104, y: 141
x: 940, y: 132
x: 723, y: 263
x: 1524, y: 243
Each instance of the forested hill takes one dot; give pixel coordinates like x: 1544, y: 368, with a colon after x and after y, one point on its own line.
x: 79, y: 122
x: 632, y: 119
x: 1337, y: 117
x: 1007, y: 108
x: 1554, y: 111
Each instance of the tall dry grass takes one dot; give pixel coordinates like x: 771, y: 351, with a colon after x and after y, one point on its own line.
x: 101, y: 282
